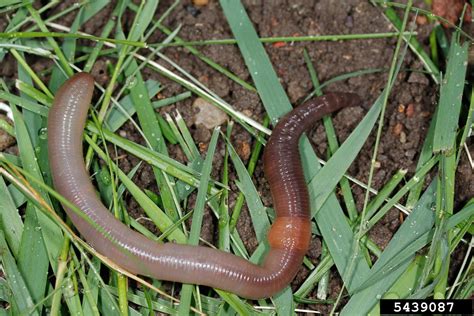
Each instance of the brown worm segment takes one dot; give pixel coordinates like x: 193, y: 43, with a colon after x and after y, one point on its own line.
x: 289, y: 236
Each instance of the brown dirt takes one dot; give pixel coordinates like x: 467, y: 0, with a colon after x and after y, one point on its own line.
x: 409, y: 111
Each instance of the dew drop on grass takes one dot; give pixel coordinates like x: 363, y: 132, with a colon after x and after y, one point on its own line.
x: 43, y: 133
x: 105, y: 177
x: 132, y: 83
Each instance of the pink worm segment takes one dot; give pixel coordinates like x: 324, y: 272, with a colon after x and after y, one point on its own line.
x: 288, y: 237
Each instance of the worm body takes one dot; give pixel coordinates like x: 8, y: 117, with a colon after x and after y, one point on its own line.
x: 288, y: 237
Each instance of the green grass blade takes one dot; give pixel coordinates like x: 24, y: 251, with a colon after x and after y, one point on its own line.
x: 116, y: 117
x: 223, y: 242
x: 335, y: 168
x: 22, y: 302
x: 179, y: 138
x: 25, y: 103
x: 10, y: 221
x: 62, y: 59
x: 404, y: 286
x: 409, y: 238
x: 321, y: 269
x: 425, y: 156
x: 161, y: 220
x: 33, y: 258
x: 257, y: 210
x: 385, y: 192
x: 198, y: 214
x: 208, y: 60
x: 257, y: 149
x: 276, y: 103
x: 143, y: 19
x: 261, y: 70
x: 468, y: 126
x: 413, y: 43
x: 138, y: 298
x: 170, y: 166
x: 187, y: 136
x: 450, y: 98
x: 333, y: 147
x: 166, y: 130
x: 32, y: 92
x: 151, y: 129
x: 70, y: 292
x: 89, y: 305
x: 442, y: 40
x: 51, y: 233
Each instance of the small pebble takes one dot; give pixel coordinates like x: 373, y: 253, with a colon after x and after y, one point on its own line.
x: 279, y: 44
x: 410, y: 111
x: 247, y: 113
x: 421, y: 20
x: 202, y: 147
x: 397, y: 129
x: 410, y: 154
x: 243, y: 149
x: 403, y: 137
x: 207, y: 114
x: 200, y: 2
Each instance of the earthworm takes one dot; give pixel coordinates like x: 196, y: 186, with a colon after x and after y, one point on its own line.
x: 288, y: 237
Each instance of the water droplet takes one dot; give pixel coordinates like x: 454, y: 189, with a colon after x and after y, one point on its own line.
x: 132, y: 83
x: 105, y: 177
x: 43, y: 133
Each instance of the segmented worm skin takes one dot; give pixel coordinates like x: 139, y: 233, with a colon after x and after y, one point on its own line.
x: 288, y: 237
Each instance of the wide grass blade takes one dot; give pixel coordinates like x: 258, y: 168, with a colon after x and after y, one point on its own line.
x: 21, y: 300
x: 271, y: 92
x: 10, y: 221
x: 32, y: 258
x: 450, y: 99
